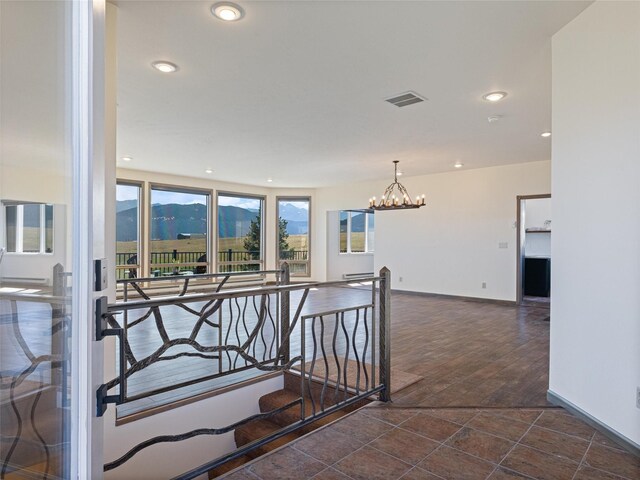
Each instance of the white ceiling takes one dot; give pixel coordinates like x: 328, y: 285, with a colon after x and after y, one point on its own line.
x: 295, y: 90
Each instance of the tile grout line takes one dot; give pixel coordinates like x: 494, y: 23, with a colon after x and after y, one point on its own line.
x: 584, y: 456
x: 518, y: 441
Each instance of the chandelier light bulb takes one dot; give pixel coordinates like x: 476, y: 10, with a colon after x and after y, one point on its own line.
x: 396, y: 196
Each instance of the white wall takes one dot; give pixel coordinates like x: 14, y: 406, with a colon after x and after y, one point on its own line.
x: 450, y: 246
x: 340, y: 263
x: 166, y: 460
x: 595, y: 327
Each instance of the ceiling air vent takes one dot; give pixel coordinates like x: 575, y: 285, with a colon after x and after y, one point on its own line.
x: 405, y: 99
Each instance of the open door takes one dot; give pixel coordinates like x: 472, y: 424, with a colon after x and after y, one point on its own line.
x: 533, y: 285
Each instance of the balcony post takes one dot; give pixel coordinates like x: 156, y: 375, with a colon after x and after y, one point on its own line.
x: 385, y: 334
x: 285, y: 314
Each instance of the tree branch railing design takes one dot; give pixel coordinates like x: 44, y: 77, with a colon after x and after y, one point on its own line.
x: 343, y: 352
x: 48, y: 365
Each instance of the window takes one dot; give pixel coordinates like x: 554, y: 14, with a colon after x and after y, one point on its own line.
x: 356, y: 232
x: 178, y: 230
x: 127, y: 230
x: 240, y: 235
x: 29, y: 228
x: 293, y: 233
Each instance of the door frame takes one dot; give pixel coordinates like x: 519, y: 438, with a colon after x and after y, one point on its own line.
x: 520, y: 238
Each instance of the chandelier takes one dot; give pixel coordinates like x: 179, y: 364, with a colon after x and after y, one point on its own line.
x: 392, y: 201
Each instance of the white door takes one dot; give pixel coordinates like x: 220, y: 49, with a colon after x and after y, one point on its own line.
x: 48, y: 156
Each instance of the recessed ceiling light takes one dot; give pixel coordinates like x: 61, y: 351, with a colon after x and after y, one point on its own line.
x: 229, y: 12
x: 399, y: 174
x: 269, y: 179
x: 127, y: 159
x: 545, y: 134
x: 208, y: 170
x: 458, y: 164
x: 494, y: 96
x: 165, y: 67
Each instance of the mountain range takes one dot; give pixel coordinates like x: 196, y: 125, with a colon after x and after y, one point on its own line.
x: 171, y: 219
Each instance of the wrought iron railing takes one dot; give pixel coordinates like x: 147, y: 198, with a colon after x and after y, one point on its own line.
x: 34, y: 389
x: 344, y: 352
x: 177, y: 262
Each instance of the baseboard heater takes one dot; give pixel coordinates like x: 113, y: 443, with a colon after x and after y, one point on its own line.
x: 25, y: 280
x: 355, y: 276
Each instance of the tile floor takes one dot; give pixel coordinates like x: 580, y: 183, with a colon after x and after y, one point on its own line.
x: 378, y: 442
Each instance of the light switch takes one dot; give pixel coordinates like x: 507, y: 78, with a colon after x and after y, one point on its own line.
x: 503, y: 245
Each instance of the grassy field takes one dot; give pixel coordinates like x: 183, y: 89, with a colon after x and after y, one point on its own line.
x: 297, y: 242
x: 357, y: 241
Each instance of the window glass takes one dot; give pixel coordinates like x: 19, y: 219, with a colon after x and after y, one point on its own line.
x: 31, y: 228
x: 24, y: 232
x: 127, y: 231
x: 370, y: 232
x: 48, y: 226
x: 11, y: 217
x: 293, y: 234
x: 344, y: 229
x: 178, y: 234
x: 357, y: 232
x: 239, y: 233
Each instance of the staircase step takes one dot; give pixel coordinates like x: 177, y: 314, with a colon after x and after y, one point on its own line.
x: 258, y: 429
x: 292, y: 415
x: 228, y: 466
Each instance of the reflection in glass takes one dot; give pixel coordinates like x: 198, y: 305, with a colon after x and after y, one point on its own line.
x: 293, y: 234
x: 179, y: 225
x: 344, y: 229
x: 31, y: 228
x: 127, y: 231
x: 11, y: 220
x: 239, y: 233
x: 48, y: 226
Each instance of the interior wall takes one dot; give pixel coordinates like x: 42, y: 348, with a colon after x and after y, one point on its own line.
x: 452, y: 245
x: 34, y: 152
x: 168, y: 460
x: 595, y: 327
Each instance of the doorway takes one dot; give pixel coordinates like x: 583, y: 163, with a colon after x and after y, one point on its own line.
x: 533, y: 279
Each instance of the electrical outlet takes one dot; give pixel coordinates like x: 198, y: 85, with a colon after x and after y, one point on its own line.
x: 638, y: 397
x: 399, y: 279
x: 484, y: 284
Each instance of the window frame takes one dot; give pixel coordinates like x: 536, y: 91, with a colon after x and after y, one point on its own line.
x: 19, y: 235
x: 263, y: 218
x: 151, y: 186
x: 141, y: 224
x: 367, y: 250
x: 295, y: 198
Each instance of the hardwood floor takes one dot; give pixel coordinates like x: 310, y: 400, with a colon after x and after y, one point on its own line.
x: 470, y: 353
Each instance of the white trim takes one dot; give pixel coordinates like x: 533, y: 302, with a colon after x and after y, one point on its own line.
x: 82, y: 405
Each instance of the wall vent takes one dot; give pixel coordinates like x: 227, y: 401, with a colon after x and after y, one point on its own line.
x: 404, y: 99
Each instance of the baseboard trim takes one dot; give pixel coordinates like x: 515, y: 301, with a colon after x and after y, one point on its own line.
x: 606, y: 430
x: 510, y: 303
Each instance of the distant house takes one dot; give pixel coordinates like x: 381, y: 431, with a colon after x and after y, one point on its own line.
x: 187, y: 236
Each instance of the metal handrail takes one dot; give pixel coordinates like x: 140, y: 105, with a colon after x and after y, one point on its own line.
x: 226, y: 294
x: 360, y: 338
